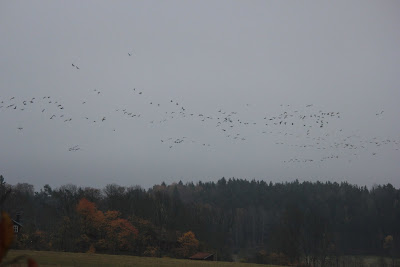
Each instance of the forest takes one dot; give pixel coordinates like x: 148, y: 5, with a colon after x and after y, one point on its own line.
x: 309, y: 223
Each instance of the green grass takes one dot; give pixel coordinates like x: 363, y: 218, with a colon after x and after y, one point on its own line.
x: 368, y: 261
x: 51, y: 258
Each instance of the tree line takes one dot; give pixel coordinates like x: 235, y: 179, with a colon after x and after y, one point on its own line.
x: 309, y: 223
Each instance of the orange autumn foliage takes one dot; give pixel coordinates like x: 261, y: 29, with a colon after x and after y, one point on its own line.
x: 112, y: 215
x: 6, y: 239
x: 125, y: 227
x: 92, y: 217
x: 107, y: 230
x: 6, y: 234
x: 188, y: 244
x: 86, y: 207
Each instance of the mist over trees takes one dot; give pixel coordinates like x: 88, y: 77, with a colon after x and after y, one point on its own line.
x: 296, y: 222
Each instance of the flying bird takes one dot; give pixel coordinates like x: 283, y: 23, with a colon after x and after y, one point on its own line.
x: 74, y: 148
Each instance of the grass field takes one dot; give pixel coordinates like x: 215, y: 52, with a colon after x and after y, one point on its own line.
x: 369, y: 261
x: 50, y: 258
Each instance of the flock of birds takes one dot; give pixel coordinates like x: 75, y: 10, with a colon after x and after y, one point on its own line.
x: 307, y: 126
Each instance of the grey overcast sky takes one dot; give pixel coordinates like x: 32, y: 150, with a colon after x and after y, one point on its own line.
x: 140, y: 92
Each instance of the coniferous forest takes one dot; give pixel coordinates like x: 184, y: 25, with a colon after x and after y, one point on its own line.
x: 310, y: 223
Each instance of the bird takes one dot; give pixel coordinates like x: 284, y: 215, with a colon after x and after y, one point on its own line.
x: 132, y: 53
x: 74, y: 148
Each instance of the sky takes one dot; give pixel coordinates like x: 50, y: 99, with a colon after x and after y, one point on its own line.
x: 141, y: 92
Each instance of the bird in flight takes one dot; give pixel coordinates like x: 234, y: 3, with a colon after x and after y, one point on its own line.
x: 74, y: 148
x: 132, y: 53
